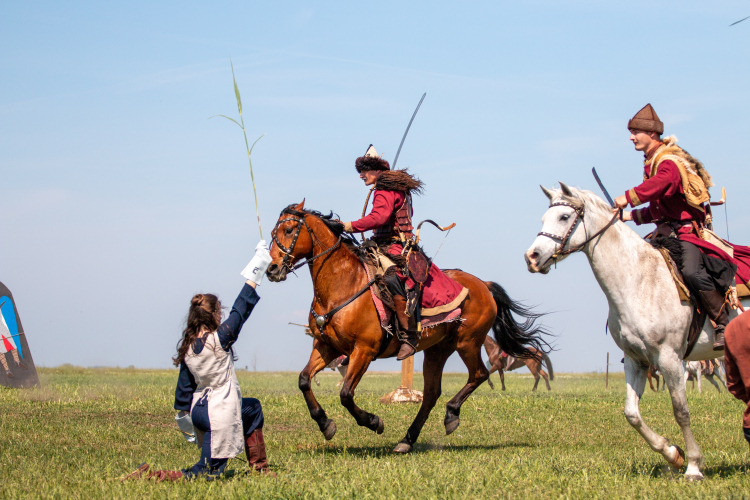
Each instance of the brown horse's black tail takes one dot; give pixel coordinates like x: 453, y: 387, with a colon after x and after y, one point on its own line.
x: 513, y: 337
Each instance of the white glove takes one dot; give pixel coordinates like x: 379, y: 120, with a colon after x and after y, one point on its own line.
x: 259, y: 263
x: 185, y: 423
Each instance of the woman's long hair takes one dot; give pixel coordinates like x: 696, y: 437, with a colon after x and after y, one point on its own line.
x: 205, y: 311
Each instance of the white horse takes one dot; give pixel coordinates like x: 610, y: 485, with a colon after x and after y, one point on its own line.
x: 697, y: 368
x: 646, y: 318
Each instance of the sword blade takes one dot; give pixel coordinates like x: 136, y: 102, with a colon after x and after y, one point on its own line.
x: 393, y: 167
x: 601, y: 186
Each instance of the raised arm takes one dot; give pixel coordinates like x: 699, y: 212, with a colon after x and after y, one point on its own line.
x: 243, y: 306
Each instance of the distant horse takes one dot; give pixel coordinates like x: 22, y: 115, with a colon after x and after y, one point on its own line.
x: 646, y: 318
x: 501, y: 364
x: 344, y: 320
x: 653, y: 374
x: 339, y: 363
x: 709, y: 369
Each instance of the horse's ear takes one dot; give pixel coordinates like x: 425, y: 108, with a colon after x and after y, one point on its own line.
x: 566, y: 190
x: 547, y: 192
x: 301, y: 206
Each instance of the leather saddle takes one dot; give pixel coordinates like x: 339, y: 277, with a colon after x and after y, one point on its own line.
x: 662, y: 244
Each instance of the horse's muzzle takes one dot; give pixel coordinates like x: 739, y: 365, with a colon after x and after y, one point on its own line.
x: 532, y: 263
x: 276, y: 273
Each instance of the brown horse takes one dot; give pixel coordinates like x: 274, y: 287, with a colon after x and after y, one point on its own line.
x: 502, y: 364
x: 653, y: 374
x: 344, y: 320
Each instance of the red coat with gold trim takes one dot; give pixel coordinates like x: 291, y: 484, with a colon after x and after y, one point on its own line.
x: 667, y: 203
x: 441, y: 293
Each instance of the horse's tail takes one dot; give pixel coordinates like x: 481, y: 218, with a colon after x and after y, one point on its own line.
x: 513, y: 337
x: 547, y: 362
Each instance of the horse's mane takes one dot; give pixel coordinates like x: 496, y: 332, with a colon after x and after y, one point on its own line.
x: 595, y: 205
x: 336, y: 227
x: 331, y: 222
x: 591, y: 201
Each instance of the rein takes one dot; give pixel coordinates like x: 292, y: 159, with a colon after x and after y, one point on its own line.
x: 299, y: 218
x: 579, y: 211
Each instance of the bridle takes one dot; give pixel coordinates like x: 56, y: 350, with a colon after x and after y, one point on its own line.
x: 299, y: 218
x: 578, y: 217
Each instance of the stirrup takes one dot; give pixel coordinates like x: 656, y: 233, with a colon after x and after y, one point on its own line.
x: 406, y: 351
x: 719, y: 344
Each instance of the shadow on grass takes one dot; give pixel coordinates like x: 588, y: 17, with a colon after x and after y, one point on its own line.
x: 387, y: 451
x: 726, y: 470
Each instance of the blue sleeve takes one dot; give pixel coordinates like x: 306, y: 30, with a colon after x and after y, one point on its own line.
x: 243, y: 306
x: 183, y: 394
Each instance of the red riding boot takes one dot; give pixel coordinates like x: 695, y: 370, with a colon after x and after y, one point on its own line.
x: 255, y: 449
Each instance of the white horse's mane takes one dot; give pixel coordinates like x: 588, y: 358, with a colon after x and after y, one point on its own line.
x: 589, y: 199
x: 595, y: 205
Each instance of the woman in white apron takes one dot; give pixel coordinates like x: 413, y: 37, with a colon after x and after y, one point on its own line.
x: 208, y: 395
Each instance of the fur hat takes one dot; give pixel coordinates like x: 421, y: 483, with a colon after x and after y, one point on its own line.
x: 371, y: 161
x: 646, y: 120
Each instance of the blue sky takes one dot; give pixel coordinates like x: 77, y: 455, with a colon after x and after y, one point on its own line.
x: 119, y: 200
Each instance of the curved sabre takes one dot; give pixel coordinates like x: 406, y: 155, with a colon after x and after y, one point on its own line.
x: 407, y: 131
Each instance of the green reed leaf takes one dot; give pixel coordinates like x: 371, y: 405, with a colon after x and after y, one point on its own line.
x: 236, y: 89
x: 251, y: 147
x: 224, y: 116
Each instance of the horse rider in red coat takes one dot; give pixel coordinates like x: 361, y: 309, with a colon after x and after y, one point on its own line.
x: 675, y: 186
x: 391, y: 223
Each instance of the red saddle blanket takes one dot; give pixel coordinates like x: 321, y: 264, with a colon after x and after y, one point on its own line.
x: 445, y: 302
x: 441, y: 294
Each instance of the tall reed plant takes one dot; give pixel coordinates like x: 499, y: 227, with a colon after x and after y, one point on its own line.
x: 249, y: 148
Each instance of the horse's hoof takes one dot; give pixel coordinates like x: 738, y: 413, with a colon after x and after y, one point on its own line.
x: 402, y: 448
x: 330, y: 430
x: 381, y: 426
x: 694, y: 477
x: 452, y: 426
x: 679, y: 461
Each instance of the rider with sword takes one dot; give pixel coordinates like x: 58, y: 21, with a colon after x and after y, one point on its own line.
x: 390, y: 220
x: 675, y: 186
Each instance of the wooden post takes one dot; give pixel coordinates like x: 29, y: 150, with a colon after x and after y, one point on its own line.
x: 606, y: 378
x: 405, y: 393
x: 407, y: 373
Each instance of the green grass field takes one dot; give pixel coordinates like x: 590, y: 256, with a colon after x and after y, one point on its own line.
x: 84, y: 428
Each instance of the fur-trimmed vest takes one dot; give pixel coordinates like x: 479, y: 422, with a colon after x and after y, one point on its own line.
x: 402, y: 181
x: 695, y: 179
